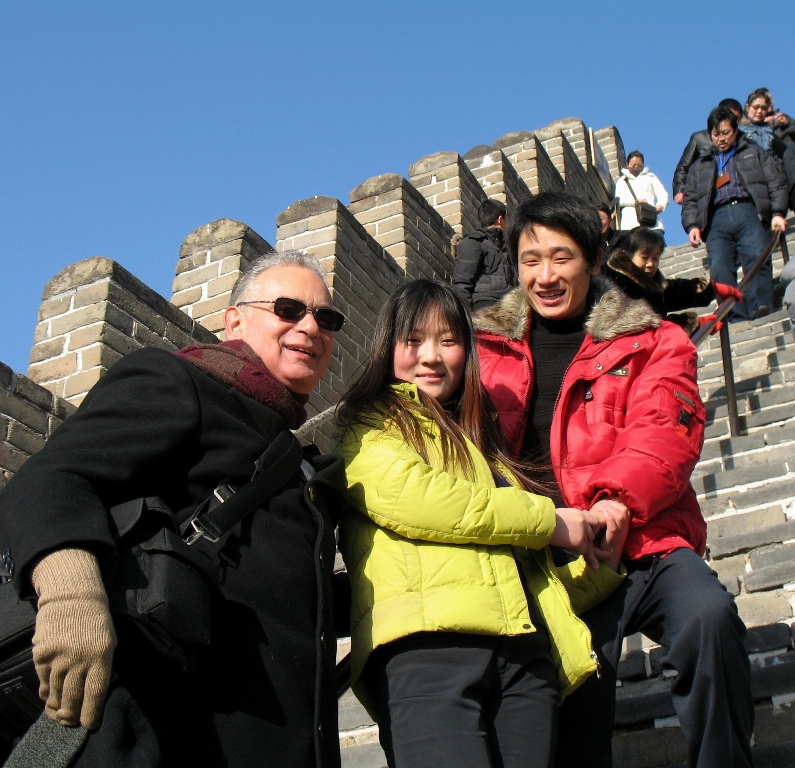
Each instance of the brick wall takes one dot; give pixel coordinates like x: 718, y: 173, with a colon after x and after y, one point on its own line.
x: 28, y: 415
x: 497, y: 176
x: 531, y: 162
x: 93, y: 313
x: 210, y: 261
x: 399, y: 219
x: 610, y: 141
x: 361, y: 277
x: 448, y: 185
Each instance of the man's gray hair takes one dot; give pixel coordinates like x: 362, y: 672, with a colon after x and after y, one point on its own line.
x: 243, y: 286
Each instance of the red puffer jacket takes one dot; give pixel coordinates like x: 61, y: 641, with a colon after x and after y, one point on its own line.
x: 628, y: 421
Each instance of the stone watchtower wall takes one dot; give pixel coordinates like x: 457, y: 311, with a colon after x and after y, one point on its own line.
x: 95, y: 312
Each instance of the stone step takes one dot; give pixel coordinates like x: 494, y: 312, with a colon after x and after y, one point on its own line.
x: 655, y: 738
x: 663, y: 746
x: 746, y: 462
x: 755, y: 495
x: 645, y: 701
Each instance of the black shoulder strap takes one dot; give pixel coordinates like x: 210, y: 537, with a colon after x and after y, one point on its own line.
x: 631, y: 191
x: 223, y: 511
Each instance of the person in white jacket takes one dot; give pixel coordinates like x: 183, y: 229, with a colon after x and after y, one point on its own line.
x: 647, y: 188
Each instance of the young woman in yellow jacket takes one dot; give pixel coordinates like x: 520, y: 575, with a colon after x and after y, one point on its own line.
x: 464, y: 633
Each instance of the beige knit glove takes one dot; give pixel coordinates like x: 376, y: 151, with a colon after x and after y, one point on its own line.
x: 74, y: 640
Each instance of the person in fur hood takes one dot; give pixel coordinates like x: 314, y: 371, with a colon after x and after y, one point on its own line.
x: 634, y: 266
x: 598, y: 387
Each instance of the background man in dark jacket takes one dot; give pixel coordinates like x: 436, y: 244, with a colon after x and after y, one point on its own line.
x: 700, y: 145
x: 177, y: 426
x: 732, y: 197
x: 483, y: 272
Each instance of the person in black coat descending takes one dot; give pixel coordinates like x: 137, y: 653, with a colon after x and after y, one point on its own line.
x: 699, y: 145
x: 483, y: 272
x: 732, y: 198
x: 634, y: 265
x: 176, y: 426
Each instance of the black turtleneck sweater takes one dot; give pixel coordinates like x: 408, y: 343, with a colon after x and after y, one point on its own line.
x: 553, y: 344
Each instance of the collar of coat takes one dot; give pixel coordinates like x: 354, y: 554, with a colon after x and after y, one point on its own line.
x: 627, y: 174
x: 613, y: 314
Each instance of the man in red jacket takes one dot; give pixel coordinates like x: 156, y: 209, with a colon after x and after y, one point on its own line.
x: 614, y: 412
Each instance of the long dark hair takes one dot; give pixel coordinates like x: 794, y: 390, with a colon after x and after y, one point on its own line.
x: 369, y: 400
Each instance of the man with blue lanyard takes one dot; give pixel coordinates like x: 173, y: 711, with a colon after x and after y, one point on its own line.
x: 732, y: 199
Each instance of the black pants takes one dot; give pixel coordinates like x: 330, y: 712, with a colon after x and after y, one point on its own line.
x: 678, y: 602
x: 447, y: 699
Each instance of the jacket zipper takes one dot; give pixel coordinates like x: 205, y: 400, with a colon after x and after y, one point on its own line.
x: 567, y: 599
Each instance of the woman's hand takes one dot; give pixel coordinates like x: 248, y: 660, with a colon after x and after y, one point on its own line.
x: 576, y: 530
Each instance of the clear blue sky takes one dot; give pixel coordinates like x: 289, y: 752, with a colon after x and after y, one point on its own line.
x: 125, y: 125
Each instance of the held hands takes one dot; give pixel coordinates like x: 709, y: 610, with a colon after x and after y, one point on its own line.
x: 609, y: 542
x: 576, y: 530
x: 723, y: 291
x: 597, y: 534
x: 74, y: 640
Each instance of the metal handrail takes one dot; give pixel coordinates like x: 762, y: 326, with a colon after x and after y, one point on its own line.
x: 725, y: 342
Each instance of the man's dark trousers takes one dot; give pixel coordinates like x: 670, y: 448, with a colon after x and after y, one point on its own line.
x: 678, y: 602
x: 736, y: 231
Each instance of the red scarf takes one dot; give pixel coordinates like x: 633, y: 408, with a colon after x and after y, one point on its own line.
x: 235, y: 364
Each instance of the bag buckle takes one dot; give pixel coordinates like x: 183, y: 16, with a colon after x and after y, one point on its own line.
x: 199, y: 533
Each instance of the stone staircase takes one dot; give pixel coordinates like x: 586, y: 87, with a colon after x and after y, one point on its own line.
x: 746, y: 487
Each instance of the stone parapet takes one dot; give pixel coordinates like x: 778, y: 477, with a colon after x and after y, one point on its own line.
x: 93, y: 313
x: 210, y: 261
x: 497, y: 176
x: 565, y: 160
x: 28, y: 415
x: 361, y: 276
x: 610, y: 141
x: 448, y: 185
x: 400, y: 219
x: 531, y: 162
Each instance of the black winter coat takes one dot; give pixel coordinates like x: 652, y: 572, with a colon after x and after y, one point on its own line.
x: 700, y: 145
x: 758, y: 174
x: 483, y: 271
x: 155, y: 425
x: 667, y: 297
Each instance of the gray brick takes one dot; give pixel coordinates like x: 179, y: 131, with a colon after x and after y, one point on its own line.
x: 643, y: 702
x: 351, y: 713
x: 747, y: 540
x: 774, y: 679
x: 23, y: 411
x: 11, y: 458
x: 363, y: 756
x: 743, y: 476
x: 764, y: 608
x: 25, y: 439
x: 768, y: 638
x: 777, y: 554
x: 770, y: 576
x: 780, y: 434
x: 632, y: 666
x: 731, y: 584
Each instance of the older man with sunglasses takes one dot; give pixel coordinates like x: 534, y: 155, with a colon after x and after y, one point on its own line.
x: 179, y: 427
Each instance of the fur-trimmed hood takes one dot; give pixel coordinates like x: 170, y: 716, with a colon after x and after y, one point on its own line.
x: 613, y: 314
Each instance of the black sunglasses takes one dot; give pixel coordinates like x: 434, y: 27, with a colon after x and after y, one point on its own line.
x: 293, y: 310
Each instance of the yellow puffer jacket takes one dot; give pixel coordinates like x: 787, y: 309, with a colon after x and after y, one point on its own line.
x: 429, y: 550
